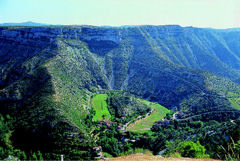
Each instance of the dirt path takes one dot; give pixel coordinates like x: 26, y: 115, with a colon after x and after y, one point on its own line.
x: 137, y: 121
x: 145, y: 157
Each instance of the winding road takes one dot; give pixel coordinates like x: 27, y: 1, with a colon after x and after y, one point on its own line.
x: 188, y: 118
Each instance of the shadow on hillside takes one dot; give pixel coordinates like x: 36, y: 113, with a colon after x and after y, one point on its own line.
x: 101, y: 47
x: 32, y: 110
x: 27, y: 98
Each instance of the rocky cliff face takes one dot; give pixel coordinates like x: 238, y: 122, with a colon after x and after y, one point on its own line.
x: 161, y: 63
x: 212, y: 50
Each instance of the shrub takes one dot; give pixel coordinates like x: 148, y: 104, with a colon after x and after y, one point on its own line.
x: 193, y: 150
x: 232, y: 151
x: 186, y: 149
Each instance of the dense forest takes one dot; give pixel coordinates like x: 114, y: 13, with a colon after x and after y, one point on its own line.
x: 200, y: 137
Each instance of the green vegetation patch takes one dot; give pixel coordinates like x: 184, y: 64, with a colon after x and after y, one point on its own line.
x: 235, y: 102
x: 186, y: 149
x: 107, y: 155
x: 144, y: 125
x: 100, y: 106
x: 234, y: 99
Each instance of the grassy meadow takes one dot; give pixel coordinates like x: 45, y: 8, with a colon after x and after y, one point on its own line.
x: 144, y: 125
x: 100, y: 106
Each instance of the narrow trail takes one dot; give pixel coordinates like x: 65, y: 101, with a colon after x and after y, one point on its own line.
x: 142, y: 118
x: 126, y: 126
x: 190, y: 117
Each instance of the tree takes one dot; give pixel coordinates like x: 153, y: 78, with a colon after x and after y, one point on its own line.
x: 34, y: 156
x: 186, y: 149
x: 39, y: 156
x: 110, y: 145
x: 20, y: 154
x: 193, y: 150
x: 5, y: 144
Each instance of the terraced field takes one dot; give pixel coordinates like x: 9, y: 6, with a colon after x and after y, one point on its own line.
x: 100, y: 106
x: 143, y: 125
x: 234, y: 100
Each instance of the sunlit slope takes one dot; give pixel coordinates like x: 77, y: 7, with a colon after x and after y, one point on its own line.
x: 145, y: 124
